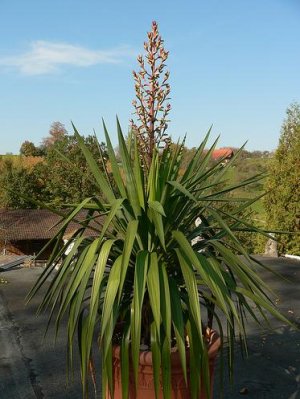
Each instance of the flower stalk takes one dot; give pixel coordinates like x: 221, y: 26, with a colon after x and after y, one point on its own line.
x: 152, y: 93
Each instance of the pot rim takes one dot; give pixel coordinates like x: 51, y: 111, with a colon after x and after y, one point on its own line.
x: 213, y: 340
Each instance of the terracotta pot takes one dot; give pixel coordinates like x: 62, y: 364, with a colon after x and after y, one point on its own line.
x: 145, y: 389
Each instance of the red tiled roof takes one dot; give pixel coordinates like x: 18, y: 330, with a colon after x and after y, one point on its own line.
x: 222, y: 153
x: 34, y: 224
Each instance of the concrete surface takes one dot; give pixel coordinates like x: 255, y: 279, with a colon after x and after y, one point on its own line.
x: 272, y: 368
x: 31, y: 367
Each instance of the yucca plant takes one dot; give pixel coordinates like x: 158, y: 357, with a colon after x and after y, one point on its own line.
x: 141, y: 270
x: 148, y: 275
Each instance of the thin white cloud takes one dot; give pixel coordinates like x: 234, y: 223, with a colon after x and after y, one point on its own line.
x: 46, y: 57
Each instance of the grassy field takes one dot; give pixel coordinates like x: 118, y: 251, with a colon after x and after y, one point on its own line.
x: 244, y: 169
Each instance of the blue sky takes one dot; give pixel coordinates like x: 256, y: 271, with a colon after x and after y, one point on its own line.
x: 234, y: 64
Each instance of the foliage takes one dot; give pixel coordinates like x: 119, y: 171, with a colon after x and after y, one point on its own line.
x: 17, y: 184
x: 57, y: 132
x: 67, y: 180
x: 29, y: 149
x: 142, y: 269
x: 245, y: 166
x: 254, y: 164
x: 245, y: 154
x: 253, y: 242
x: 20, y: 161
x: 50, y: 179
x: 187, y: 154
x: 18, y: 181
x: 283, y: 200
x: 140, y: 273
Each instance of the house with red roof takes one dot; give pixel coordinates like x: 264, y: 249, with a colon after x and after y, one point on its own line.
x: 225, y: 153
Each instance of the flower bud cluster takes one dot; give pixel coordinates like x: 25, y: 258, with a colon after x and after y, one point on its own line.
x: 152, y: 93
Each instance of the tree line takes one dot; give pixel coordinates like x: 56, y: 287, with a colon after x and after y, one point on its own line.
x: 42, y: 173
x: 56, y: 172
x: 58, y: 175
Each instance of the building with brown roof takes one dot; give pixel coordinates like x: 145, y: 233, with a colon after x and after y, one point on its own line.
x: 26, y: 231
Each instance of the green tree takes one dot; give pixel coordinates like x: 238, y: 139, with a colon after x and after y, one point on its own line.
x: 69, y: 181
x: 283, y: 200
x: 29, y: 149
x: 17, y: 185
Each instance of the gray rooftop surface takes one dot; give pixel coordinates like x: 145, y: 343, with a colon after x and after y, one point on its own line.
x: 31, y: 367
